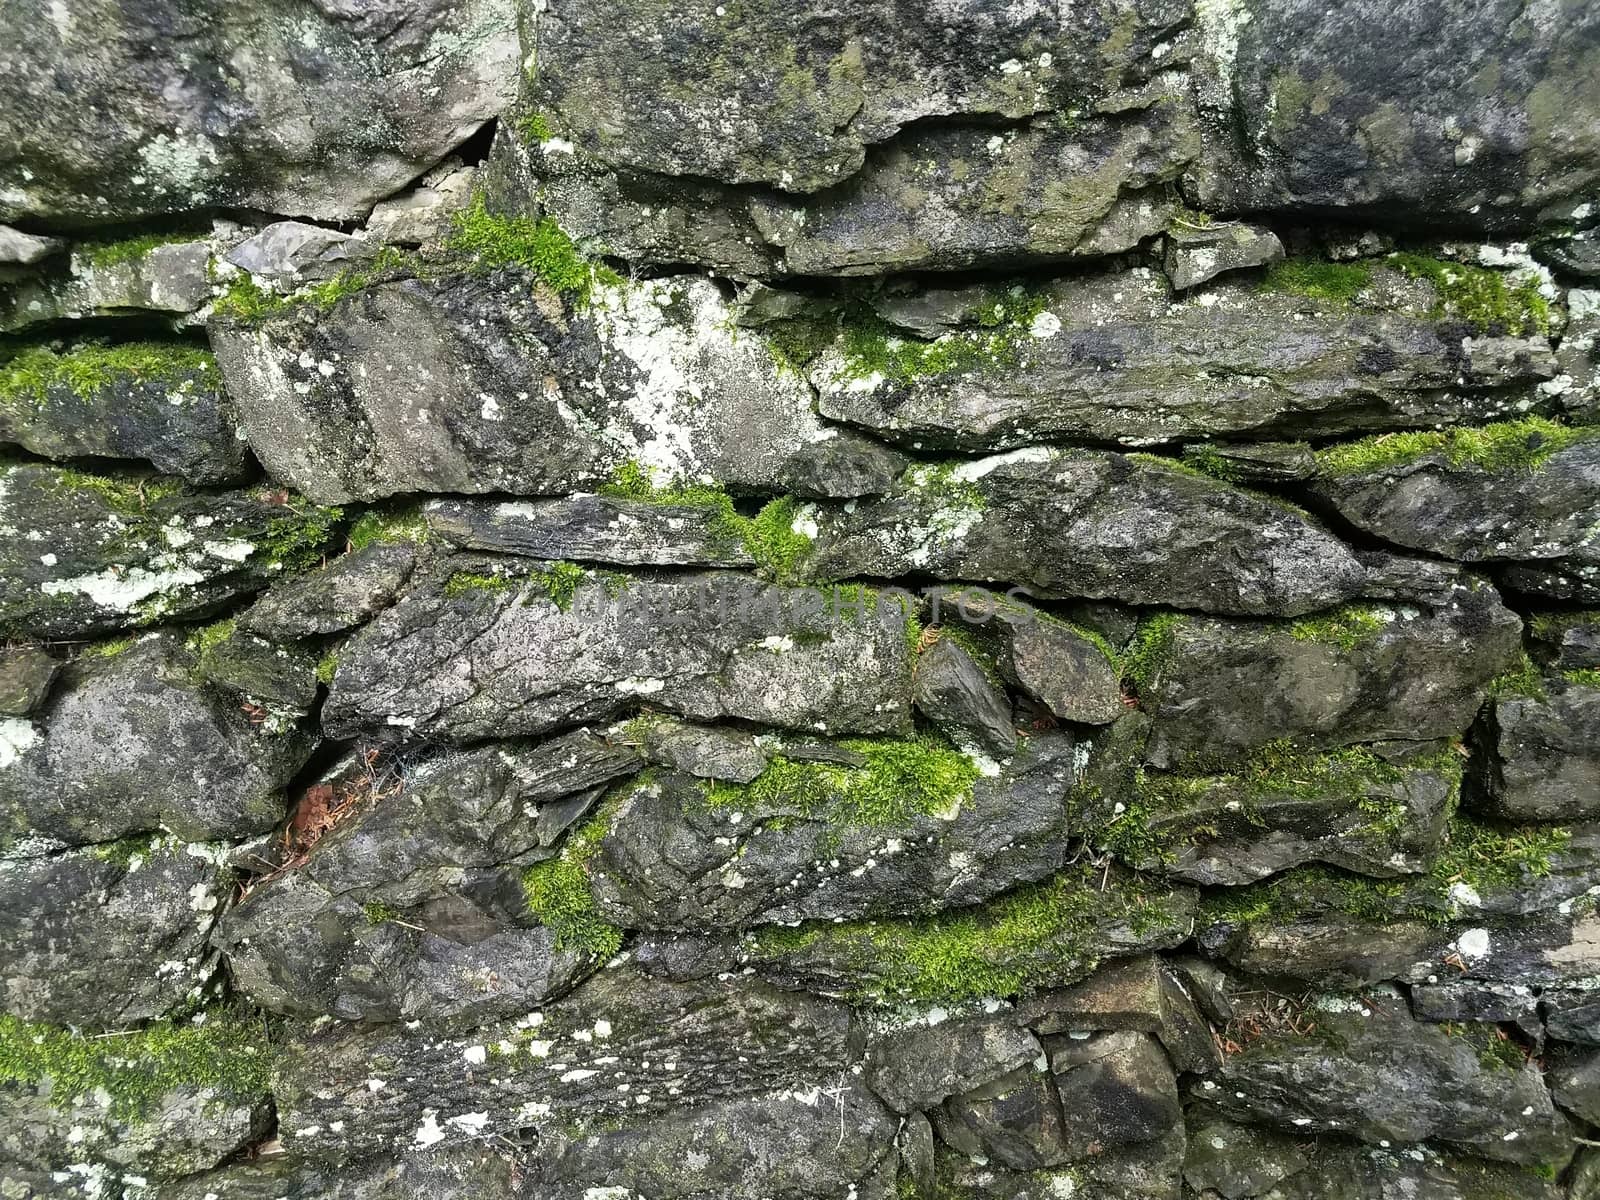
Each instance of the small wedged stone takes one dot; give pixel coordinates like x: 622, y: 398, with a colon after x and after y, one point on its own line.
x: 1194, y: 254
x: 284, y: 678
x: 1473, y: 513
x: 1086, y: 523
x: 1256, y: 462
x: 345, y: 593
x: 96, y: 762
x: 1238, y: 1162
x: 23, y: 249
x: 1014, y: 1121
x: 706, y: 752
x: 675, y: 856
x: 1113, y: 357
x: 345, y: 104
x: 593, y: 529
x: 107, y: 936
x: 1540, y: 757
x: 1569, y: 580
x: 157, y: 402
x: 717, y: 1040
x: 411, y: 909
x: 462, y: 383
x: 1370, y: 1071
x: 26, y: 673
x: 1064, y: 667
x: 1216, y: 690
x: 795, y: 1144
x: 1472, y: 1000
x: 493, y: 656
x: 168, y: 279
x: 287, y: 253
x: 86, y: 554
x: 920, y: 1066
x: 1116, y: 1089
x: 956, y: 694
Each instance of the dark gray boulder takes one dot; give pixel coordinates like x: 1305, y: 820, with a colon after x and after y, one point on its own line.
x: 87, y: 554
x: 1541, y: 755
x: 1194, y: 254
x: 1014, y: 1121
x: 956, y: 693
x: 158, y: 402
x: 462, y: 383
x: 345, y: 105
x: 96, y: 764
x: 494, y: 655
x: 1091, y: 524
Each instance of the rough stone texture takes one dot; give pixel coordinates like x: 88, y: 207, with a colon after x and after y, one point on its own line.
x: 1087, y: 523
x: 26, y: 673
x: 483, y: 662
x: 95, y: 763
x: 955, y: 692
x: 1194, y: 254
x: 169, y: 280
x: 1541, y: 759
x: 339, y: 596
x: 919, y: 1067
x: 517, y: 394
x: 1118, y: 359
x: 345, y: 105
x: 1571, y: 640
x: 87, y: 554
x: 287, y: 253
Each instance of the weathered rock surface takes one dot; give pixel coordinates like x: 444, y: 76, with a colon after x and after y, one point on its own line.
x: 957, y: 693
x: 1373, y: 1072
x: 339, y: 596
x: 1541, y: 759
x: 287, y: 253
x: 166, y: 407
x: 1111, y: 357
x: 500, y: 659
x: 26, y: 673
x: 95, y: 764
x: 1219, y: 689
x: 139, y: 910
x: 1116, y: 1089
x: 22, y: 249
x: 805, y: 844
x: 1193, y: 253
x: 468, y: 384
x: 85, y: 554
x: 166, y: 277
x: 920, y: 1066
x: 1571, y: 640
x: 1088, y: 523
x: 423, y: 1174
x: 344, y: 105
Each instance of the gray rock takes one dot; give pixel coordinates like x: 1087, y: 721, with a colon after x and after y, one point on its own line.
x: 1571, y: 640
x: 88, y: 553
x: 282, y: 678
x: 1541, y: 755
x: 1218, y: 689
x: 481, y: 660
x: 346, y: 103
x: 1576, y: 582
x: 517, y: 394
x: 954, y: 692
x: 1089, y: 523
x: 1194, y: 254
x: 1575, y: 1083
x: 1014, y: 1121
x: 716, y: 1040
x: 96, y: 764
x: 165, y: 276
x: 1264, y: 462
x: 1115, y: 1089
x: 1578, y: 354
x: 108, y: 936
x: 817, y: 841
x: 1066, y: 668
x: 19, y: 248
x: 1571, y: 1015
x: 1141, y: 1172
x: 288, y: 253
x: 345, y: 593
x: 423, y: 215
x: 790, y: 1144
x: 920, y: 1066
x: 1471, y: 1000
x: 158, y: 402
x: 1308, y: 115
x: 594, y: 529
x: 1237, y: 1162
x: 1377, y: 1075
x: 1473, y: 513
x: 730, y: 755
x: 484, y: 1172
x: 1575, y: 253
x: 26, y: 673
x: 1111, y: 357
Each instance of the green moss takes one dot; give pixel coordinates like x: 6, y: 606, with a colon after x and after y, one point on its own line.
x: 297, y: 540
x: 534, y: 128
x: 560, y: 581
x: 1337, y: 283
x: 1487, y: 857
x: 1479, y: 296
x: 109, y: 648
x: 557, y: 890
x: 228, y: 1053
x: 463, y: 583
x: 203, y: 641
x: 1584, y: 677
x: 377, y: 912
x: 899, y: 781
x: 327, y: 665
x: 103, y: 254
x: 248, y: 302
x: 796, y: 341
x: 874, y: 347
x: 1181, y: 466
x: 942, y: 484
x: 1505, y: 446
x: 130, y: 495
x: 772, y: 541
x: 1152, y: 650
x: 1551, y: 626
x: 1208, y: 461
x: 539, y: 246
x: 981, y: 653
x: 1345, y: 627
x: 126, y: 851
x: 36, y: 372
x: 407, y: 525
x: 1522, y: 679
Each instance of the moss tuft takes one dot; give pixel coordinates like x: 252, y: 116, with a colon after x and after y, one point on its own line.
x: 109, y: 648
x: 377, y: 912
x: 1522, y: 679
x: 36, y: 372
x: 248, y: 302
x: 1505, y: 446
x: 327, y: 665
x: 539, y: 246
x: 203, y: 641
x: 534, y: 128
x: 1583, y: 677
x: 104, y: 254
x: 1337, y: 283
x: 557, y: 890
x: 874, y: 347
x: 1209, y: 461
x: 1151, y: 650
x: 1479, y: 296
x: 463, y: 583
x: 407, y: 525
x: 1345, y: 627
x: 298, y: 540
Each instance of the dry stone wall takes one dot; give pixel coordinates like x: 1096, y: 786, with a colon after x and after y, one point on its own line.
x: 614, y: 600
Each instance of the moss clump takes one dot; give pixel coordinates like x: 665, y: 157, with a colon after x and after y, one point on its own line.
x: 1033, y: 937
x: 37, y: 371
x: 297, y: 540
x: 205, y: 640
x: 1152, y: 650
x: 874, y: 347
x: 534, y: 128
x: 109, y: 648
x: 130, y: 495
x: 104, y: 254
x: 797, y: 340
x: 408, y: 525
x: 539, y: 246
x: 557, y: 890
x: 127, y: 851
x: 248, y: 302
x: 1337, y: 283
x: 1479, y: 296
x: 560, y: 581
x: 463, y: 583
x: 1522, y: 445
x: 1522, y: 679
x: 1584, y: 677
x: 1551, y: 626
x: 1345, y: 628
x: 377, y: 912
x: 326, y: 666
x: 1209, y: 461
x: 225, y: 1050
x: 899, y: 781
x: 773, y: 542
